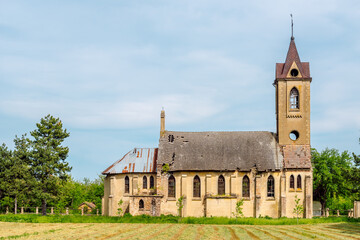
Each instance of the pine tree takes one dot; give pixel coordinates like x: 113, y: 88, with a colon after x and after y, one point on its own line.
x: 48, y: 165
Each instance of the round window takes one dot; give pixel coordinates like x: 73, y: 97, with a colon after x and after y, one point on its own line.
x: 294, y: 72
x: 294, y: 135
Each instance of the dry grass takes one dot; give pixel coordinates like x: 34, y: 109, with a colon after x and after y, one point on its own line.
x: 124, y: 231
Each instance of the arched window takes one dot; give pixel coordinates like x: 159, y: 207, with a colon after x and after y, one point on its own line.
x: 171, y: 186
x: 196, y: 191
x: 246, y: 186
x: 270, y: 186
x: 294, y: 98
x: 141, y: 204
x: 221, y: 185
x: 127, y: 184
x: 292, y: 182
x: 151, y: 182
x: 298, y: 182
x: 144, y: 182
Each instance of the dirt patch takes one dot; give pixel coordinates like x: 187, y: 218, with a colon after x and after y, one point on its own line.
x: 233, y: 234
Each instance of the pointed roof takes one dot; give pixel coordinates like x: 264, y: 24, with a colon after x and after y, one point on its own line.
x: 282, y: 69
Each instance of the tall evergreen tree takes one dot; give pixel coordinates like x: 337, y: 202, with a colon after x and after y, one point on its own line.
x: 48, y: 159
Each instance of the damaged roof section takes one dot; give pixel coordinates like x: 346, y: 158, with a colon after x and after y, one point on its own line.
x: 220, y: 151
x: 138, y: 160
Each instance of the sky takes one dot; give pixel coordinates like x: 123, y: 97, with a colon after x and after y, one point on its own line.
x: 107, y: 68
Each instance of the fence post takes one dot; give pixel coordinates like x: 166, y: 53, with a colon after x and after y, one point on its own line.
x: 82, y: 211
x: 7, y: 210
x: 67, y: 211
x: 352, y: 213
x: 22, y: 210
x: 97, y: 212
x: 327, y: 212
x: 52, y: 210
x: 338, y: 213
x: 37, y: 210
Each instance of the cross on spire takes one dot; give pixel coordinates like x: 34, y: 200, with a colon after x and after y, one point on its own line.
x: 292, y: 27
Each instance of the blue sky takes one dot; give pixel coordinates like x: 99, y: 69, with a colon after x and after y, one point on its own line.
x: 106, y: 68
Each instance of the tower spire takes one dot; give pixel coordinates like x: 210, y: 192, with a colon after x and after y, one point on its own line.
x: 292, y: 27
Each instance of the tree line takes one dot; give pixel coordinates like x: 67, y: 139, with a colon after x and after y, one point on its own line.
x: 36, y: 173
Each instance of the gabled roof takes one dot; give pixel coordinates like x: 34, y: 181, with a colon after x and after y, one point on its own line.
x: 137, y: 160
x: 282, y: 69
x: 220, y: 151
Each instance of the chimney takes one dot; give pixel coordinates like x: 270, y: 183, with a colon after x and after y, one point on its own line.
x: 162, y: 123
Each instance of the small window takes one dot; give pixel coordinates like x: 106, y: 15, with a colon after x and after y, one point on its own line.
x: 292, y: 182
x: 270, y: 186
x: 294, y: 72
x: 196, y: 190
x: 294, y: 98
x: 151, y: 182
x: 141, y: 204
x: 127, y: 184
x: 171, y: 138
x: 171, y: 186
x: 298, y: 182
x: 246, y: 186
x: 221, y: 185
x: 144, y: 182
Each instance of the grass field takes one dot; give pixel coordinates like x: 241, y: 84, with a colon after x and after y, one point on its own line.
x: 13, y: 230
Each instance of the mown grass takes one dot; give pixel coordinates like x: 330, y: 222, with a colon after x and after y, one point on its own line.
x: 167, y: 219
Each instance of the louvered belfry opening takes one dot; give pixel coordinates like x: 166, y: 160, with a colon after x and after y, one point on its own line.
x: 294, y: 98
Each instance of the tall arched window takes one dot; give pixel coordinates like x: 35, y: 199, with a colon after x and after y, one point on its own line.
x: 298, y: 182
x: 294, y: 98
x: 141, y: 204
x: 270, y: 186
x: 127, y: 184
x: 246, y: 186
x: 171, y: 186
x: 197, y: 189
x: 221, y: 185
x: 151, y: 182
x: 144, y: 182
x: 292, y: 182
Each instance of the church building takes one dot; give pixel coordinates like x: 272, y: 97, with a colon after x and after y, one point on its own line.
x: 211, y: 171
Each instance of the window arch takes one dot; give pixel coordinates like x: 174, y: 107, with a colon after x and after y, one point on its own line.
x: 294, y: 98
x: 270, y: 186
x: 144, y: 182
x: 292, y: 182
x: 127, y: 184
x: 246, y: 186
x: 151, y: 182
x: 298, y: 182
x: 171, y: 186
x: 221, y: 185
x: 197, y: 187
x: 141, y: 204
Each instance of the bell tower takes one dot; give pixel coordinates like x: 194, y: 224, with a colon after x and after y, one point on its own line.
x: 292, y: 87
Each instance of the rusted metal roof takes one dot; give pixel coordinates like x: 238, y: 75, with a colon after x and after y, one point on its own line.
x: 137, y: 160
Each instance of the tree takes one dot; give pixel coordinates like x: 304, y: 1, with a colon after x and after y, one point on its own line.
x: 47, y: 161
x: 331, y: 173
x: 298, y: 209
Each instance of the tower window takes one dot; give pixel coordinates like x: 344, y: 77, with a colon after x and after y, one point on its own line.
x: 196, y: 192
x: 171, y: 186
x: 270, y: 186
x: 294, y: 72
x: 221, y: 185
x: 294, y: 135
x: 246, y: 187
x: 294, y: 99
